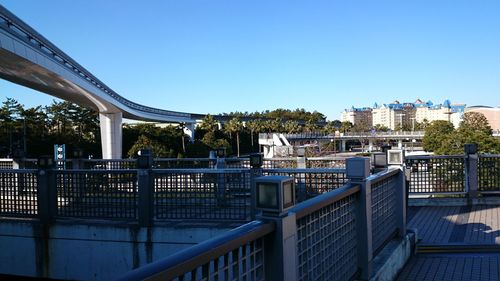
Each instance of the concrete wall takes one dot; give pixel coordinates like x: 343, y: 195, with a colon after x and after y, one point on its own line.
x: 68, y: 250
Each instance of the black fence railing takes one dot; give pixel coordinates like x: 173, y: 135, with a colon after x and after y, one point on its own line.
x: 18, y: 193
x: 110, y: 194
x: 202, y: 194
x: 437, y: 174
x: 489, y: 173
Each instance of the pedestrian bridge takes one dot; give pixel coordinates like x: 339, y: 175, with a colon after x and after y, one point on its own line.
x: 139, y: 223
x: 29, y: 59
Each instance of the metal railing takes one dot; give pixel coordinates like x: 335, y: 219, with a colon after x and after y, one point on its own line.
x: 278, y: 163
x: 183, y: 163
x: 325, y: 162
x: 110, y: 194
x: 202, y: 194
x: 18, y: 193
x: 109, y: 164
x: 6, y: 164
x: 489, y: 173
x: 16, y: 27
x: 437, y: 174
x: 384, y: 207
x: 235, y: 255
x: 311, y: 182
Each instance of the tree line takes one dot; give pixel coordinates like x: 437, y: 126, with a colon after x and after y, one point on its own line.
x: 31, y: 132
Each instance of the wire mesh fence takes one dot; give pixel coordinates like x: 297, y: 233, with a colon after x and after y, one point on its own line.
x: 18, y: 193
x: 326, y: 242
x: 202, y: 194
x: 279, y: 163
x: 384, y: 222
x: 437, y: 174
x: 97, y: 194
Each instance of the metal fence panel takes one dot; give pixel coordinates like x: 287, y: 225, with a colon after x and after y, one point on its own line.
x: 97, y: 194
x: 437, y: 174
x: 326, y: 242
x: 384, y: 221
x: 6, y: 164
x: 311, y: 182
x: 489, y: 173
x: 325, y: 163
x: 279, y: 163
x: 202, y: 194
x: 111, y: 164
x: 18, y: 193
x: 183, y: 163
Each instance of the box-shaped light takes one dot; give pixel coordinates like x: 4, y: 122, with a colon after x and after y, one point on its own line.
x: 256, y: 160
x: 395, y: 157
x: 274, y: 194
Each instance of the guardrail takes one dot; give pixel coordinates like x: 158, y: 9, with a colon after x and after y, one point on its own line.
x: 311, y: 182
x: 147, y: 196
x: 489, y: 173
x: 235, y: 255
x: 437, y: 174
x: 333, y: 236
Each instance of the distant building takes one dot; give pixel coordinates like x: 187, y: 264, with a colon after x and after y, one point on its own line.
x: 358, y: 115
x: 396, y: 115
x: 491, y: 113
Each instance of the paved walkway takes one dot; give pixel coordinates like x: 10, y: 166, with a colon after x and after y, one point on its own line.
x: 443, y: 230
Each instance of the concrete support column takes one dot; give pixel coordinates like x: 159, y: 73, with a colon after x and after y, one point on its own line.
x: 400, y: 144
x: 370, y: 145
x: 342, y: 145
x: 111, y: 135
x: 189, y: 130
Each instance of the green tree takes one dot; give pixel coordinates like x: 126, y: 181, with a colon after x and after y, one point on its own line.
x: 143, y: 142
x: 254, y: 126
x: 234, y: 126
x: 436, y: 133
x: 292, y: 127
x: 346, y: 126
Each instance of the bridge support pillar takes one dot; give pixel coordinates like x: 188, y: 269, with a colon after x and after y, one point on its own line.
x: 189, y: 130
x: 342, y: 145
x: 400, y: 144
x: 370, y: 145
x: 111, y: 135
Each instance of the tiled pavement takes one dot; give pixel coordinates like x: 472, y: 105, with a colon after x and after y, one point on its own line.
x: 445, y: 226
x: 468, y: 224
x: 452, y: 267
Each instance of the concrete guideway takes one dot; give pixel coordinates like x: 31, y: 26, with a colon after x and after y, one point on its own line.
x: 29, y: 59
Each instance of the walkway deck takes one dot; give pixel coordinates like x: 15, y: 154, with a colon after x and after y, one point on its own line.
x: 455, y: 243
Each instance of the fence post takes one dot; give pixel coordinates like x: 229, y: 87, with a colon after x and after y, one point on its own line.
x: 145, y: 186
x: 471, y: 173
x: 46, y: 191
x: 401, y: 203
x: 357, y: 171
x: 280, y: 249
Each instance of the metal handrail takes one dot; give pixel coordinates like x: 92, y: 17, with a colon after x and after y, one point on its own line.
x: 19, y: 28
x: 380, y: 176
x: 188, y: 259
x: 424, y: 157
x: 311, y: 205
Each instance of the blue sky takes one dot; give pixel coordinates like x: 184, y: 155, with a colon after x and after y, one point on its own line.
x: 220, y: 56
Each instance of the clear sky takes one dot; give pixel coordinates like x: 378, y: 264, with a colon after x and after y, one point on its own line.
x: 210, y: 56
